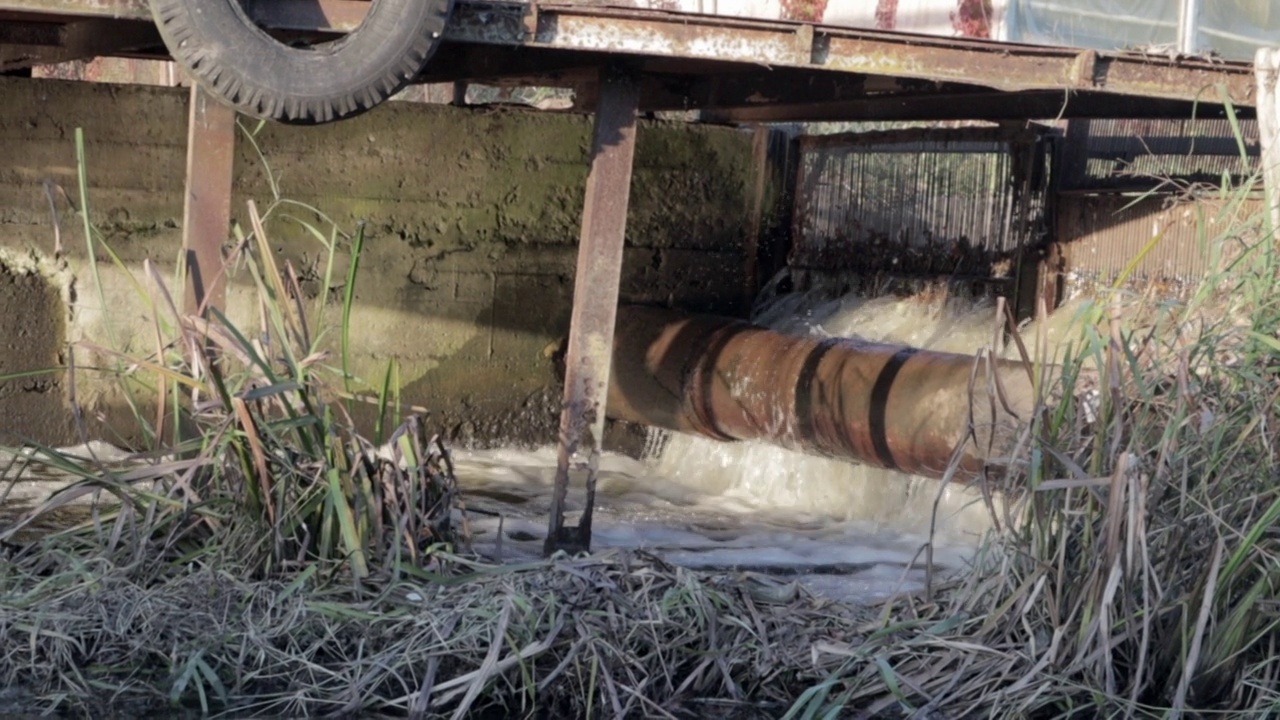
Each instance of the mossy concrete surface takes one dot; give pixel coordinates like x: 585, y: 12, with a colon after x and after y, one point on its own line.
x: 472, y: 222
x: 32, y: 328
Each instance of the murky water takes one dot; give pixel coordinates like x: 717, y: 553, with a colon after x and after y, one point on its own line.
x: 840, y: 529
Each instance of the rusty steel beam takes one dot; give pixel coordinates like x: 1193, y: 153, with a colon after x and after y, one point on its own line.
x: 767, y: 43
x: 993, y: 106
x: 98, y: 9
x: 595, y: 302
x: 590, y: 28
x: 885, y: 405
x: 303, y: 15
x: 24, y: 44
x: 206, y: 214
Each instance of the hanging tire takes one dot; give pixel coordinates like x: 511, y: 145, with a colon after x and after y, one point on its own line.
x: 231, y: 57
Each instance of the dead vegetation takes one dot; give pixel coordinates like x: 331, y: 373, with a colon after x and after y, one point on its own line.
x: 623, y: 636
x: 274, y: 564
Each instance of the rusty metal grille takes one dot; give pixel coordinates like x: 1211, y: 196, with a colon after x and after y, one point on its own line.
x: 1170, y: 244
x: 1126, y: 154
x: 957, y: 202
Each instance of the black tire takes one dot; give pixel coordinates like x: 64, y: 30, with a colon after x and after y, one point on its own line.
x: 235, y: 60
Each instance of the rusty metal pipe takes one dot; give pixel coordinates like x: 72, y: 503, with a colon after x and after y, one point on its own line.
x: 886, y: 405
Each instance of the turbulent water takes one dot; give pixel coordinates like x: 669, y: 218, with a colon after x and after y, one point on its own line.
x: 841, y: 529
x: 837, y: 528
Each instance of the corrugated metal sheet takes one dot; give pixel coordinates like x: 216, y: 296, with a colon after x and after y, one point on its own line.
x: 1140, y: 154
x: 919, y: 203
x: 1102, y: 234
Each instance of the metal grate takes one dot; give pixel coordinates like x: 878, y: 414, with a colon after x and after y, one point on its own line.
x: 1142, y: 154
x: 1166, y: 245
x: 959, y: 203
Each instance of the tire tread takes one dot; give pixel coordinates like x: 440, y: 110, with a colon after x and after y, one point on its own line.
x: 248, y: 89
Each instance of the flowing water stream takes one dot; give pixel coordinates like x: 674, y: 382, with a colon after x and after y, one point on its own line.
x: 840, y: 529
x: 844, y: 530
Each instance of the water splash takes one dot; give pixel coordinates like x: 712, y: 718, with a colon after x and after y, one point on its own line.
x: 766, y: 476
x: 840, y: 528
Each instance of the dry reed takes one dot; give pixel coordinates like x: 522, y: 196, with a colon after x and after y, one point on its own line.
x: 281, y: 568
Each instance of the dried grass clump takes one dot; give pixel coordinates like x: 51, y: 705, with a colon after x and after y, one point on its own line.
x: 618, y: 635
x: 1141, y: 575
x: 1138, y: 571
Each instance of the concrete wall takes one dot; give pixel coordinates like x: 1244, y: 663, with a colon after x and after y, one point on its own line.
x: 472, y: 224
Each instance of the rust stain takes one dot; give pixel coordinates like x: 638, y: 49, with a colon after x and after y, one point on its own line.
x: 887, y: 14
x: 884, y: 405
x: 972, y: 18
x: 804, y: 10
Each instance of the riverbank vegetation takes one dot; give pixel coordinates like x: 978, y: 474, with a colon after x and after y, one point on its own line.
x: 261, y: 557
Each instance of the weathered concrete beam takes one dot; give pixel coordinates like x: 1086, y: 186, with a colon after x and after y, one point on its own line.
x: 884, y: 405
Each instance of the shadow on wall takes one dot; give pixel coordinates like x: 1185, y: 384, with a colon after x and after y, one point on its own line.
x: 472, y: 222
x: 32, y: 338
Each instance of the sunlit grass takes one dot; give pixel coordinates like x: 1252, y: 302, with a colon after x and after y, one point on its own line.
x: 268, y: 560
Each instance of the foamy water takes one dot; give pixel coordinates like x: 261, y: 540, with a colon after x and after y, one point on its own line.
x: 841, y: 529
x: 838, y: 528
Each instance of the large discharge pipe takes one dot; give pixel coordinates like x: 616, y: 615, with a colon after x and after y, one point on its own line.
x: 886, y: 405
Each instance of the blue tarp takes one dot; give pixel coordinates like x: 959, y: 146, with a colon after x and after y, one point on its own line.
x: 1233, y: 29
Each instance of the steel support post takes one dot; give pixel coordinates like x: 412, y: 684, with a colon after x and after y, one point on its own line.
x: 1267, y: 70
x: 1188, y: 27
x: 760, y: 163
x: 206, y: 215
x: 595, y: 303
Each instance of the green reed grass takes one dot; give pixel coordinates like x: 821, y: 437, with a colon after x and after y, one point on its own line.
x: 278, y: 475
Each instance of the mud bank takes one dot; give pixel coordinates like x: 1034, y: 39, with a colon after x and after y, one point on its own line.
x: 471, y: 225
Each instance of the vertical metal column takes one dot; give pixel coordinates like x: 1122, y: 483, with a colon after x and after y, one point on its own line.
x: 760, y: 163
x: 1266, y: 67
x: 206, y: 215
x: 1189, y: 27
x: 595, y: 302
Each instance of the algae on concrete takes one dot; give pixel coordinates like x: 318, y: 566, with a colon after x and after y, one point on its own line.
x: 472, y: 223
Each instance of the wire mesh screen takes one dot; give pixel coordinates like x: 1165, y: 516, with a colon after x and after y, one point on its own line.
x: 920, y: 203
x: 1144, y: 154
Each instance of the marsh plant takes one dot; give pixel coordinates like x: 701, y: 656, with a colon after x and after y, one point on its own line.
x: 261, y: 557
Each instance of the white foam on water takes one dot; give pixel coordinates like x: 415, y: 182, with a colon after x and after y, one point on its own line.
x: 846, y: 530
x: 841, y: 529
x: 843, y: 546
